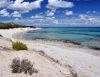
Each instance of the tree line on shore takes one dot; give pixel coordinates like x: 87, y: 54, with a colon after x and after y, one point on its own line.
x: 13, y: 25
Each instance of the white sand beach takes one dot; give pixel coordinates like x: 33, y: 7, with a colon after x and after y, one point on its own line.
x: 84, y: 61
x: 9, y: 32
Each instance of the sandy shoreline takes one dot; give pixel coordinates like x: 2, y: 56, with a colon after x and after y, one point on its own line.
x: 85, y: 64
x: 9, y: 32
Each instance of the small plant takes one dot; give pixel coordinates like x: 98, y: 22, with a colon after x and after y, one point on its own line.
x: 25, y: 66
x: 16, y: 66
x: 19, y: 46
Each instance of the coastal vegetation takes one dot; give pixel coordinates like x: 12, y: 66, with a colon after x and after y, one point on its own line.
x: 13, y: 25
x: 19, y: 46
x: 19, y: 66
x: 10, y: 25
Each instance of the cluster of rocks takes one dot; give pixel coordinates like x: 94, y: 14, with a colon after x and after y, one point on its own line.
x: 73, y: 42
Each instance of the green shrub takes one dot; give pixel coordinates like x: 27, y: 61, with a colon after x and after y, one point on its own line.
x: 10, y: 25
x: 19, y: 46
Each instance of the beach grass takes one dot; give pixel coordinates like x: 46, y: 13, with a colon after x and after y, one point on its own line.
x: 19, y: 46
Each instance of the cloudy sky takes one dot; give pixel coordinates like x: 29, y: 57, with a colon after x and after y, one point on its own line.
x: 51, y: 12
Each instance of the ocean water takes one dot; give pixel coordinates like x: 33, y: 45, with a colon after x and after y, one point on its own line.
x: 88, y: 36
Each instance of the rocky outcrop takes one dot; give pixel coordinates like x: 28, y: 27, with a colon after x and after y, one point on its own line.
x: 1, y: 36
x: 73, y: 42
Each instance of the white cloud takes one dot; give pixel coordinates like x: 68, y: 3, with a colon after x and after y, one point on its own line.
x: 16, y: 19
x: 89, y: 19
x: 73, y: 21
x: 37, y: 16
x: 50, y: 13
x: 60, y: 4
x: 50, y: 18
x: 3, y: 3
x: 92, y: 12
x: 69, y: 13
x: 16, y: 14
x: 83, y: 17
x: 19, y: 6
x: 4, y: 13
x: 25, y: 6
x: 56, y: 22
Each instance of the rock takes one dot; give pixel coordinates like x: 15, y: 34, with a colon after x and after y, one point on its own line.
x: 1, y: 36
x: 96, y: 48
x: 73, y: 42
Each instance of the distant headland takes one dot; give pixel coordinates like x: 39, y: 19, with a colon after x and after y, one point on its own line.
x: 13, y: 25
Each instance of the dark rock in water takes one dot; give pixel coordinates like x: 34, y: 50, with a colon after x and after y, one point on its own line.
x: 73, y: 42
x: 1, y: 36
x: 96, y: 48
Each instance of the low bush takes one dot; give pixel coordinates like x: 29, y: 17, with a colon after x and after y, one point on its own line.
x: 16, y: 66
x: 19, y: 46
x: 25, y: 66
x: 10, y: 25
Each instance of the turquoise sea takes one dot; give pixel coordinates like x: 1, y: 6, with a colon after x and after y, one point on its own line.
x: 88, y: 36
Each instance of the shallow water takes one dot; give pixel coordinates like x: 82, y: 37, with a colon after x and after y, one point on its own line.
x: 88, y: 36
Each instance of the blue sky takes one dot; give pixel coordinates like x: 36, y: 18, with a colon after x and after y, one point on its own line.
x: 51, y: 12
